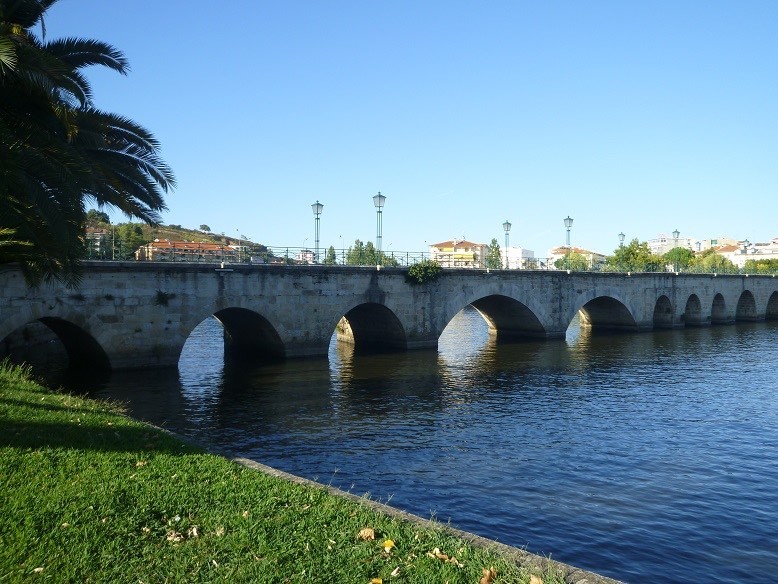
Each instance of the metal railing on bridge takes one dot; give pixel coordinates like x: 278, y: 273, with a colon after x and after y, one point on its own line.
x: 192, y: 252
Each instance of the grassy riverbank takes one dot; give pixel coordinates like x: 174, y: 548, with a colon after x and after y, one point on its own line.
x: 90, y: 495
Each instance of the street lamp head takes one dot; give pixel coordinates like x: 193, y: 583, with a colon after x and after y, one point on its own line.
x: 506, y: 226
x: 317, y: 208
x: 676, y: 233
x: 568, y: 222
x: 621, y: 237
x: 379, y: 200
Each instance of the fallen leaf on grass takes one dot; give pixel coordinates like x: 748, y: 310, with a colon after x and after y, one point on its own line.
x: 366, y: 534
x: 437, y: 554
x: 535, y: 579
x: 140, y: 463
x: 388, y: 545
x: 395, y: 572
x: 193, y: 532
x: 489, y: 574
x: 174, y: 536
x: 377, y: 581
x: 38, y: 570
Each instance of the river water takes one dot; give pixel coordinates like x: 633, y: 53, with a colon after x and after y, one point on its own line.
x: 644, y: 457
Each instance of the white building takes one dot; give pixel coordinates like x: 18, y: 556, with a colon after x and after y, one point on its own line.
x: 518, y: 258
x: 306, y: 256
x: 664, y: 243
x: 742, y: 251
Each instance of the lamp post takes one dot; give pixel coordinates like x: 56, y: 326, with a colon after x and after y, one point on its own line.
x: 317, y: 208
x: 507, y: 227
x: 568, y: 224
x: 621, y: 239
x: 379, y: 200
x: 676, y: 234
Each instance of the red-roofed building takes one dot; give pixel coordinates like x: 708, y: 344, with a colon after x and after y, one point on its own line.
x: 186, y: 251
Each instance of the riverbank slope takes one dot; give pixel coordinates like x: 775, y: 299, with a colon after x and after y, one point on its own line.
x: 90, y: 495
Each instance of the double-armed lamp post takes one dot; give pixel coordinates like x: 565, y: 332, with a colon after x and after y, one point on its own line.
x: 317, y: 208
x: 507, y: 227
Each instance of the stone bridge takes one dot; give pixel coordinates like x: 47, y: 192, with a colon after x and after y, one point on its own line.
x: 128, y: 314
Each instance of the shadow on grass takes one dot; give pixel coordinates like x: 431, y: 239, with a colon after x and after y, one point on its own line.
x: 105, y: 438
x: 19, y: 403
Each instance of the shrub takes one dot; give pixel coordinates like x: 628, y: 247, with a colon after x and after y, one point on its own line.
x: 423, y: 272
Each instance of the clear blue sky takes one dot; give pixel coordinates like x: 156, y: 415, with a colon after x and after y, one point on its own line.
x: 641, y: 117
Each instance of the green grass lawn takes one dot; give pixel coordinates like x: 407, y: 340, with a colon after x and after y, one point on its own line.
x: 89, y: 495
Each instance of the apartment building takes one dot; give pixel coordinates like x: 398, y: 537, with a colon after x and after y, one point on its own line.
x: 459, y: 253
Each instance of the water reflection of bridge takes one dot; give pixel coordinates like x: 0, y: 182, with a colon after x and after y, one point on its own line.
x: 127, y: 315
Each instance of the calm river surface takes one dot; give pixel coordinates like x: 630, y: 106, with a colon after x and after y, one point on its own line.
x: 644, y: 457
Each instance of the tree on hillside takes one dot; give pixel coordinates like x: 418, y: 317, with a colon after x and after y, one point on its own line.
x: 204, y: 227
x: 58, y: 151
x: 493, y: 256
x: 635, y: 257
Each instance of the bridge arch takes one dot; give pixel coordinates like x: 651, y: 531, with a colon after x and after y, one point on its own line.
x: 718, y: 312
x: 607, y: 313
x: 508, y: 319
x: 772, y: 307
x: 82, y: 349
x: 746, y: 307
x: 372, y: 328
x: 663, y: 312
x: 249, y: 335
x: 692, y: 313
